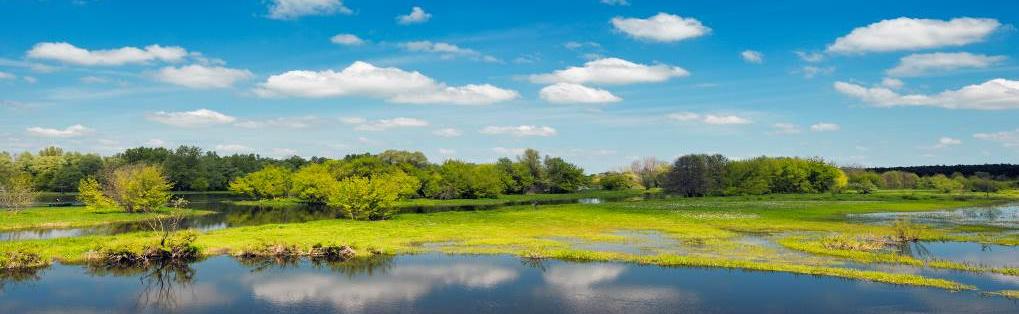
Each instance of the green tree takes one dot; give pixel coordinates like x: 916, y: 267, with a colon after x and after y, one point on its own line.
x: 615, y: 181
x: 313, y: 183
x: 17, y: 192
x: 364, y: 198
x: 133, y: 188
x: 271, y: 182
x: 697, y: 175
x: 562, y: 176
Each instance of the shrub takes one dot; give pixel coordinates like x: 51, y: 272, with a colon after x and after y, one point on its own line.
x: 905, y: 231
x: 844, y: 242
x: 16, y: 192
x: 269, y: 183
x: 20, y: 259
x: 132, y: 188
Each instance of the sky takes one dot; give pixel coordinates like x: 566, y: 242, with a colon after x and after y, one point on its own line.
x: 599, y: 82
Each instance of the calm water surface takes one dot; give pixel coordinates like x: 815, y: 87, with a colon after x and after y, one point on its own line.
x: 464, y: 284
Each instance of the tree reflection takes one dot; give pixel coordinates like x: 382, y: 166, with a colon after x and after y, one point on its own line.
x: 162, y: 283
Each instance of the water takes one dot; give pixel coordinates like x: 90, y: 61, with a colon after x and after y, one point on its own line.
x: 227, y: 215
x: 1006, y: 215
x: 989, y: 255
x: 463, y: 284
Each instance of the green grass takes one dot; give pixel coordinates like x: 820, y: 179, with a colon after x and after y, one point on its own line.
x: 1011, y: 294
x: 73, y: 217
x: 707, y: 230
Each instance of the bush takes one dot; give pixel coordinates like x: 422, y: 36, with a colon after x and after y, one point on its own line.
x: 271, y: 182
x: 132, y: 188
x: 16, y: 192
x: 20, y: 259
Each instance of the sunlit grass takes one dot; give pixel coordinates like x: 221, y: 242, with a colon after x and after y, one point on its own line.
x: 74, y: 217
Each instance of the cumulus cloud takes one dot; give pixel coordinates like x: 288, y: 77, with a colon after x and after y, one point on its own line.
x: 812, y: 57
x: 284, y: 122
x: 389, y: 83
x: 68, y: 53
x: 611, y: 71
x: 384, y: 124
x: 202, y: 76
x: 76, y: 130
x: 233, y: 148
x: 996, y: 94
x: 785, y: 128
x: 447, y: 132
x: 446, y: 50
x: 810, y: 71
x: 892, y: 83
x: 292, y: 9
x: 417, y: 15
x: 188, y: 119
x: 912, y: 34
x: 662, y: 27
x: 565, y: 93
x: 751, y: 56
x: 346, y: 40
x: 709, y: 118
x: 920, y: 64
x: 825, y: 127
x: 522, y: 130
x: 945, y: 141
x: 1006, y: 138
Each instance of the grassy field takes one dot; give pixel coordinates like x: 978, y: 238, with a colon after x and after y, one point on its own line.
x: 707, y: 232
x: 73, y: 217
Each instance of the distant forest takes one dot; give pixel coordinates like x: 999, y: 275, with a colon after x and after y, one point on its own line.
x: 995, y: 170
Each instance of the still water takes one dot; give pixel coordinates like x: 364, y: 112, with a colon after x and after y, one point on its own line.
x: 463, y: 284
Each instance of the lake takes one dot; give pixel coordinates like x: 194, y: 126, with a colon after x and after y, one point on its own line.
x: 435, y: 283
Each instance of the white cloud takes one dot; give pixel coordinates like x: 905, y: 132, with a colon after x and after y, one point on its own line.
x: 1006, y: 138
x: 417, y: 15
x: 187, y: 119
x: 385, y: 124
x: 346, y: 40
x: 662, y: 27
x: 391, y: 84
x: 91, y: 79
x: 611, y: 71
x: 578, y: 44
x: 912, y: 34
x: 233, y: 148
x: 812, y: 57
x: 202, y: 77
x: 292, y: 9
x: 285, y: 122
x: 615, y: 2
x: 562, y: 93
x: 892, y: 83
x: 945, y: 141
x: 7, y: 76
x: 30, y: 79
x: 825, y: 127
x: 811, y: 71
x: 508, y: 151
x: 725, y: 119
x: 68, y: 53
x: 523, y: 130
x: 76, y: 130
x: 709, y: 118
x: 751, y: 56
x: 920, y: 64
x: 446, y: 151
x: 155, y: 142
x: 447, y: 132
x: 996, y: 94
x: 447, y: 50
x: 785, y: 128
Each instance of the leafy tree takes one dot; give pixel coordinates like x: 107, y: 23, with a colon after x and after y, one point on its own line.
x: 17, y: 192
x: 697, y: 175
x: 563, y: 177
x: 942, y: 183
x: 364, y: 198
x: 269, y: 183
x: 133, y: 188
x: 313, y: 183
x: 615, y: 181
x: 650, y: 171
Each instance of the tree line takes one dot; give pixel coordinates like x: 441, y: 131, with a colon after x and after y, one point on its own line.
x: 997, y: 171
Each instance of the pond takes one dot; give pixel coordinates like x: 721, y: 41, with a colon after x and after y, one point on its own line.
x: 1005, y: 215
x: 227, y: 214
x: 436, y: 283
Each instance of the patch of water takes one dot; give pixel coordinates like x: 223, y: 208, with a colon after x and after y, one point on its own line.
x: 1006, y: 215
x: 989, y: 255
x: 435, y: 283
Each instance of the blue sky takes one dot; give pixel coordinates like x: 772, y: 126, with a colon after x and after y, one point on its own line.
x: 599, y: 82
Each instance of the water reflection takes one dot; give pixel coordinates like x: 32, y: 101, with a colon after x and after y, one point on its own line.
x: 990, y: 255
x: 1006, y: 215
x: 460, y: 284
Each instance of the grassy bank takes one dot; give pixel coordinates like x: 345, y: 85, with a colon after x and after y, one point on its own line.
x: 707, y: 232
x: 74, y: 217
x: 501, y: 200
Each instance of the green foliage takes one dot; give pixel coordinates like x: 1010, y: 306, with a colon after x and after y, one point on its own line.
x: 941, y: 183
x: 563, y: 177
x: 16, y: 192
x: 313, y: 183
x: 132, y: 188
x: 696, y: 175
x: 364, y: 198
x: 271, y: 182
x: 615, y: 181
x: 460, y: 180
x: 764, y: 175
